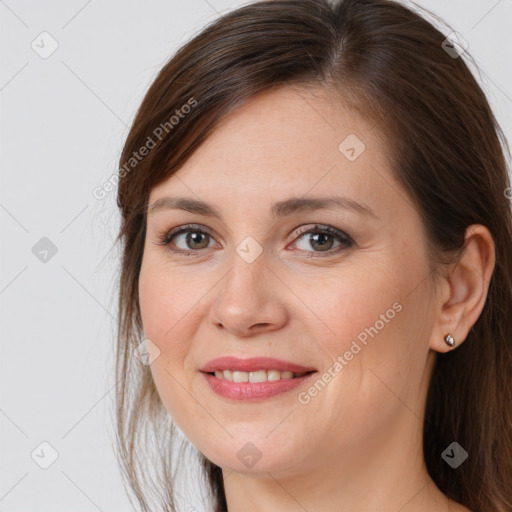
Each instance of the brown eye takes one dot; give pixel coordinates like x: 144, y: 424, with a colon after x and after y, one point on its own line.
x: 191, y: 239
x: 186, y: 239
x: 323, y: 238
x: 196, y: 240
x: 322, y: 241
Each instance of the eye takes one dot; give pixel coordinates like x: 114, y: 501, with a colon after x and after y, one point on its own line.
x: 323, y: 238
x: 191, y: 237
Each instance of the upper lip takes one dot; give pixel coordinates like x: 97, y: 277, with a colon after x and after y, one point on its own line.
x: 253, y: 364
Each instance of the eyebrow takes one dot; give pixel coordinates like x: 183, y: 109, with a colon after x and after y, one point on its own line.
x: 280, y: 209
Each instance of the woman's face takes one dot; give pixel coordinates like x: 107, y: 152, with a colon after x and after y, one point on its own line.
x: 354, y: 304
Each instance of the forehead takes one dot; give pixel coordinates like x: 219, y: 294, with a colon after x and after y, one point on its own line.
x: 284, y: 143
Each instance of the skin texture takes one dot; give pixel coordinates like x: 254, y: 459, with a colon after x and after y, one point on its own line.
x: 363, y: 431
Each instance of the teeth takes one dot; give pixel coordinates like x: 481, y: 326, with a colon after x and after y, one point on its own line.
x: 240, y: 376
x: 273, y: 375
x: 257, y: 376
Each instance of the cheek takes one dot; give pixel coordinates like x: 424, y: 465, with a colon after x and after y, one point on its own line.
x: 358, y: 307
x: 378, y: 337
x: 169, y: 309
x: 168, y: 300
x: 379, y: 303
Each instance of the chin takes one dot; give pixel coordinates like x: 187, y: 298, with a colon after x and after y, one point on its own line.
x: 253, y: 458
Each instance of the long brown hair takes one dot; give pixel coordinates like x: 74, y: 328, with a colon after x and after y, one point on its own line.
x: 446, y: 147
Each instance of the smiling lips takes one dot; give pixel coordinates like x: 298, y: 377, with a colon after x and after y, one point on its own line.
x: 253, y: 378
x: 256, y: 376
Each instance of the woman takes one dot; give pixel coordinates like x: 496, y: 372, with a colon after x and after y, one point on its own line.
x: 317, y: 259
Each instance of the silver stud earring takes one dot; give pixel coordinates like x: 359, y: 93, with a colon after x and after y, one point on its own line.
x: 450, y: 340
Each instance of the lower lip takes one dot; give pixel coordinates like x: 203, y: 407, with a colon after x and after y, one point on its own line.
x: 253, y: 390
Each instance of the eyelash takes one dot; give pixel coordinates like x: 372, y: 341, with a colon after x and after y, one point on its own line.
x: 345, y: 240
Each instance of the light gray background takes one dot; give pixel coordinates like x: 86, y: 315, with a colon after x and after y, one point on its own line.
x: 63, y: 121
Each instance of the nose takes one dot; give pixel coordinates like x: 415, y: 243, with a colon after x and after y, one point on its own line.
x: 249, y: 300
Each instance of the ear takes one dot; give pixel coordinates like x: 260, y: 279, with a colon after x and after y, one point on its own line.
x: 464, y: 288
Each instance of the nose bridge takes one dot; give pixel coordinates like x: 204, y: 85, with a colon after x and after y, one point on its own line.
x: 245, y: 299
x: 244, y: 284
x: 248, y: 268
